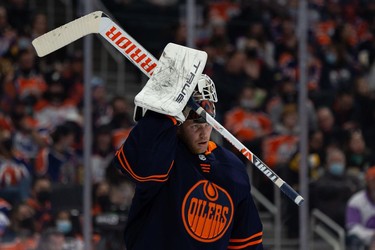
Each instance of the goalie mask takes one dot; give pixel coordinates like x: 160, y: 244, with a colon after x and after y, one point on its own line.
x: 205, y: 96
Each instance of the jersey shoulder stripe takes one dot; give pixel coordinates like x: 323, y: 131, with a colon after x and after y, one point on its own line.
x: 246, y: 242
x: 126, y: 166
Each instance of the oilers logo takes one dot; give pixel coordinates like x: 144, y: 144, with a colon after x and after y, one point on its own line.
x: 207, y: 211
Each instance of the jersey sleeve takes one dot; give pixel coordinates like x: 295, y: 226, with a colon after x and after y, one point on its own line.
x: 247, y: 229
x: 148, y: 153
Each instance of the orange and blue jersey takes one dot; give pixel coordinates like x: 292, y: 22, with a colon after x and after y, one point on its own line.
x: 247, y: 125
x: 60, y: 167
x: 278, y: 149
x: 184, y: 200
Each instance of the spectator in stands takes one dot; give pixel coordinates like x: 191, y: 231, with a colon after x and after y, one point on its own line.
x: 246, y: 121
x: 114, y: 195
x: 26, y: 138
x: 72, y: 77
x: 287, y: 94
x: 19, y: 15
x: 288, y: 124
x: 331, y: 192
x: 15, y: 173
x: 121, y: 122
x: 121, y: 195
x: 120, y: 105
x: 314, y: 73
x: 39, y: 25
x: 66, y: 225
x: 279, y: 147
x: 229, y: 80
x: 287, y: 42
x: 346, y: 112
x: 337, y: 70
x: 256, y: 69
x: 332, y: 134
x: 56, y: 107
x: 22, y: 232
x: 265, y: 49
x: 103, y: 151
x: 290, y: 174
x: 360, y: 214
x: 59, y: 161
x: 358, y: 156
x: 101, y: 201
x: 364, y: 98
x: 102, y: 112
x: 28, y: 83
x: 7, y: 34
x: 315, y: 157
x: 51, y: 239
x: 40, y: 201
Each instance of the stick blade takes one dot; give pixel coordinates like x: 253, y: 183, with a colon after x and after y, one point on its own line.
x: 67, y: 33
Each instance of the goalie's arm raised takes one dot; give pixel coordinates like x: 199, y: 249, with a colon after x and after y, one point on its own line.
x: 147, y: 155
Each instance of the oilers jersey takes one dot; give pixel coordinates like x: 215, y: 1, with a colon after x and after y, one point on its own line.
x: 184, y: 200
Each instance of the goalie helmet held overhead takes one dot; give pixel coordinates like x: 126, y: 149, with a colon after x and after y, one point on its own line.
x: 205, y: 95
x: 205, y: 89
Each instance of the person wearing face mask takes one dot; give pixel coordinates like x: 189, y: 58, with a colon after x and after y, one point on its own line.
x: 360, y: 214
x: 64, y: 224
x: 40, y: 201
x: 332, y: 190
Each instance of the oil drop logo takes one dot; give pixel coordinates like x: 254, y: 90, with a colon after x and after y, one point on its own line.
x: 207, y: 211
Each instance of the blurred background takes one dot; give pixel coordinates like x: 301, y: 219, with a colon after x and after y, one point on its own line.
x: 253, y: 58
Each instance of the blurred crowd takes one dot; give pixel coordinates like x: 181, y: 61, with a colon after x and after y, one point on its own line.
x: 41, y: 143
x: 252, y: 51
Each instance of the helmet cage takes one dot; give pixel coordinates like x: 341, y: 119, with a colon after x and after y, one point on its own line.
x: 205, y: 90
x: 205, y: 96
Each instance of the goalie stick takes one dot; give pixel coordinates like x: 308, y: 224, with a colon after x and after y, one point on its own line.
x: 99, y: 23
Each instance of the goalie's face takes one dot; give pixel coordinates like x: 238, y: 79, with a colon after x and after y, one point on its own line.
x: 195, y: 135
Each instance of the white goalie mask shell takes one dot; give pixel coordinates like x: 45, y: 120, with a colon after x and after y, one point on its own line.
x: 205, y: 89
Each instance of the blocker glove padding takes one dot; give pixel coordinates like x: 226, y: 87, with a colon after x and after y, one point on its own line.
x: 172, y: 83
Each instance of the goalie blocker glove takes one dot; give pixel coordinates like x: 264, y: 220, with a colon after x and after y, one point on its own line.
x: 204, y: 94
x: 173, y: 81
